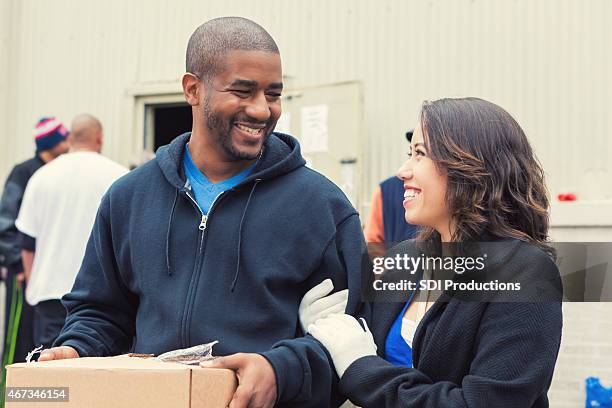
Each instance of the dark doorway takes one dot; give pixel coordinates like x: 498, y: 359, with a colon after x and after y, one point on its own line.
x: 170, y: 121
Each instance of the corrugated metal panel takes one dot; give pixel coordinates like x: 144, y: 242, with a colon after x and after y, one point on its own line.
x: 5, y: 40
x: 547, y: 62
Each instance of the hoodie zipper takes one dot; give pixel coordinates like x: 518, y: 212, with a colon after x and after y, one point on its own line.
x: 197, y: 266
x: 202, y: 225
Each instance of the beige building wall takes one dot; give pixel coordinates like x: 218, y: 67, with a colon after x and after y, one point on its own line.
x: 548, y: 62
x: 5, y: 41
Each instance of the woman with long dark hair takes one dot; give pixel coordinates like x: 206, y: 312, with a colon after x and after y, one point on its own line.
x: 471, y: 176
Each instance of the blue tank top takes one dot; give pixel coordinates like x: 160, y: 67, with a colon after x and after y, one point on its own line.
x: 397, y: 351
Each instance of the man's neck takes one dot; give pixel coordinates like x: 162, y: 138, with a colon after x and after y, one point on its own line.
x: 76, y: 149
x: 212, y: 164
x: 46, y: 156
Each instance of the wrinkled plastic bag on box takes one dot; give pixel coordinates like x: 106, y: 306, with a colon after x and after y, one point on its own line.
x: 31, y: 354
x: 191, y: 355
x: 597, y: 395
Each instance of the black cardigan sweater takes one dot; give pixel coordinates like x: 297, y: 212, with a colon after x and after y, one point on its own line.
x: 467, y: 354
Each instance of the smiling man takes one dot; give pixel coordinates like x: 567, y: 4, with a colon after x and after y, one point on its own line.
x: 220, y: 236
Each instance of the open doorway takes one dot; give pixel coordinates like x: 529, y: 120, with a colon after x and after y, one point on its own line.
x: 167, y: 121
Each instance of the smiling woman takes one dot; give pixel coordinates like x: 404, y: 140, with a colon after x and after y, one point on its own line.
x: 471, y: 177
x: 495, y: 182
x: 424, y: 188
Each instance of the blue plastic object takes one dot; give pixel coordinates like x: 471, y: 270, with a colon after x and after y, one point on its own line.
x: 597, y: 395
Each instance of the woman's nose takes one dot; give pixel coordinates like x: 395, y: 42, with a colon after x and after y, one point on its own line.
x: 405, y: 171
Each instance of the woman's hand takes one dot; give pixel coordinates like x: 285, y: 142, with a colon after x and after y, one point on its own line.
x: 344, y: 338
x: 316, y: 304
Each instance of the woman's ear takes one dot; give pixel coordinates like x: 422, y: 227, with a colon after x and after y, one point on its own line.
x: 191, y: 89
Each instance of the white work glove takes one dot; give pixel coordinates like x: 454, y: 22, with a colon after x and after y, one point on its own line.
x: 345, y: 339
x: 316, y: 305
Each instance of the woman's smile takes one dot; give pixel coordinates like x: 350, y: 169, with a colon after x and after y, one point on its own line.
x: 410, y: 194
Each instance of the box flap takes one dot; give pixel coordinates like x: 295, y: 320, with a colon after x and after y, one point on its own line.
x: 95, y: 363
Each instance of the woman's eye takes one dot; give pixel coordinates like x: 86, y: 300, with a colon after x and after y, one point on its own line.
x: 418, y: 153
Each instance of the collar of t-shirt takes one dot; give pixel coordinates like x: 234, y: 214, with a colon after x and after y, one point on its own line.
x: 204, y: 190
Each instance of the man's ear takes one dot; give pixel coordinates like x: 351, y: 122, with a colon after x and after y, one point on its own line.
x: 191, y: 89
x: 100, y: 139
x: 70, y: 138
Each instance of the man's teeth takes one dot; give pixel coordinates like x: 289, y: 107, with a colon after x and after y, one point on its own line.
x: 249, y: 129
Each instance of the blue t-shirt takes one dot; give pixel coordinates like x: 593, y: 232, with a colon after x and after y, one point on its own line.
x: 205, y: 191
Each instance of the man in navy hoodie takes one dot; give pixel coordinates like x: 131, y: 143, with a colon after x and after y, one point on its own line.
x: 220, y: 236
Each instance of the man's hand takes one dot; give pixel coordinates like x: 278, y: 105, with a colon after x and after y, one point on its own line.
x: 317, y: 305
x: 27, y: 259
x: 20, y: 278
x: 256, y: 379
x: 58, y: 353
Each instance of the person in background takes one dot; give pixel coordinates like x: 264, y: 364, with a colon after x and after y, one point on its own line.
x: 471, y: 178
x: 56, y: 216
x: 386, y: 222
x: 50, y: 138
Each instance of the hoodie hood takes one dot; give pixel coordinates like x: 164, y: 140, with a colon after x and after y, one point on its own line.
x: 281, y: 155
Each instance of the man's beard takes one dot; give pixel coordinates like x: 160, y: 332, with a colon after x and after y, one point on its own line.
x: 222, y: 132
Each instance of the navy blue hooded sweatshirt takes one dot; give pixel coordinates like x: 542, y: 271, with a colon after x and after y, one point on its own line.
x: 157, y: 275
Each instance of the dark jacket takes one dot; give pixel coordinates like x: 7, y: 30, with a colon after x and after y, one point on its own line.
x: 395, y: 226
x: 157, y: 275
x: 14, y: 188
x: 467, y: 353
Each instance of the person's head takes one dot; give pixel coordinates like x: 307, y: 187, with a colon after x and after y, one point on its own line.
x: 472, y: 171
x: 50, y: 138
x: 233, y: 83
x: 86, y: 133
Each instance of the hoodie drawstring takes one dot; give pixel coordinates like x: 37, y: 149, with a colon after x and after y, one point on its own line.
x: 168, y: 233
x: 240, y: 235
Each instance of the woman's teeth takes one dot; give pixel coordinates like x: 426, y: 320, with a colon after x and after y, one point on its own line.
x: 410, y: 193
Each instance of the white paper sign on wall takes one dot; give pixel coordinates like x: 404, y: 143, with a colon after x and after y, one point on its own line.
x: 314, y: 129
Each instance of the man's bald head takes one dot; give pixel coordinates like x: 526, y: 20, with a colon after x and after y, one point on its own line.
x: 86, y: 133
x: 211, y: 41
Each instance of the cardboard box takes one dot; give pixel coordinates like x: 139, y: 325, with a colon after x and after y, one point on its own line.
x: 122, y: 381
